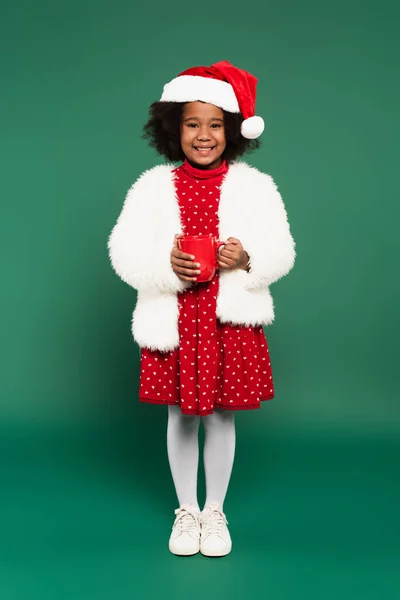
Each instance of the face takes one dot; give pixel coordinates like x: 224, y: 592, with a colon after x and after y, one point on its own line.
x: 203, y: 134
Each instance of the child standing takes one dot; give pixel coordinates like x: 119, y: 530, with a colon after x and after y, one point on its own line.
x: 203, y: 349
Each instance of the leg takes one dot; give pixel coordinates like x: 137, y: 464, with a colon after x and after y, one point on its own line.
x: 183, y: 454
x: 219, y: 452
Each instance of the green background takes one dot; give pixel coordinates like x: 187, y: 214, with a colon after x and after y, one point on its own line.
x: 86, y: 498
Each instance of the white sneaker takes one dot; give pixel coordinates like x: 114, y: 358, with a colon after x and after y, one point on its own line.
x: 185, y: 536
x: 215, y: 539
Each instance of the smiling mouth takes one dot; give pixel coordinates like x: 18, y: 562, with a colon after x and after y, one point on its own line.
x: 204, y: 149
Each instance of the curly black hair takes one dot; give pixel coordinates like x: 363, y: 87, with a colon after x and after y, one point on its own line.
x: 162, y: 131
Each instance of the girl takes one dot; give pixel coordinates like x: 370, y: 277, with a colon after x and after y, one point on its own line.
x: 203, y: 349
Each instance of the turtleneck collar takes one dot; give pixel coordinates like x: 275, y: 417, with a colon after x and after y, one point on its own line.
x: 204, y: 173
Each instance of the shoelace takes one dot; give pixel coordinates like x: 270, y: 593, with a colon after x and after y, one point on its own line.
x: 185, y: 521
x: 215, y: 522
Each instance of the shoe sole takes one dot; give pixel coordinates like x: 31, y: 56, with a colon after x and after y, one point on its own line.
x: 214, y: 555
x: 184, y: 553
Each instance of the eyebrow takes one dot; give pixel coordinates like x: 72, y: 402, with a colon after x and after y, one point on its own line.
x: 212, y: 119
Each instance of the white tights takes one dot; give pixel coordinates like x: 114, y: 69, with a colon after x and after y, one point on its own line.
x: 183, y: 453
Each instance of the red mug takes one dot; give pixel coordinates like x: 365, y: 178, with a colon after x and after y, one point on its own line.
x: 204, y: 248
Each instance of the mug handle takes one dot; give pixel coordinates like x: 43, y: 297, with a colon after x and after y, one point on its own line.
x: 218, y: 245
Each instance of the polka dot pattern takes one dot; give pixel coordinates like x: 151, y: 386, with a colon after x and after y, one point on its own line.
x: 216, y: 365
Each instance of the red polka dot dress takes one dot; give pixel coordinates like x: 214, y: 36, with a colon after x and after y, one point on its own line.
x: 216, y: 365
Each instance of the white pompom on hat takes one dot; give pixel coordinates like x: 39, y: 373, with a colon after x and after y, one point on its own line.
x: 223, y: 85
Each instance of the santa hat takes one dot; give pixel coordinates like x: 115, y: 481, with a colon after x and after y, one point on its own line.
x: 223, y: 85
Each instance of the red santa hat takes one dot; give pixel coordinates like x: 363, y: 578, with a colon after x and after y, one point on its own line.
x: 223, y: 85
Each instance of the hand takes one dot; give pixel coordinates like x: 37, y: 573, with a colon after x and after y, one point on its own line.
x: 182, y: 263
x: 233, y: 256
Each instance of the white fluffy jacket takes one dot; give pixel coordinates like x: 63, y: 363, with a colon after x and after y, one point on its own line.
x: 250, y: 209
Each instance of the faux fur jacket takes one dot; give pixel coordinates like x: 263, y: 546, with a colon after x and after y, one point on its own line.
x: 250, y: 209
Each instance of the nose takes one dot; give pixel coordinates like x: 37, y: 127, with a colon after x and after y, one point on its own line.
x: 203, y: 134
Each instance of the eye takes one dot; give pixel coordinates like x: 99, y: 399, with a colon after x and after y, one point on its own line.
x: 192, y: 124
x: 216, y: 125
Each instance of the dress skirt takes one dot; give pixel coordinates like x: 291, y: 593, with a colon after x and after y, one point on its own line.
x: 222, y: 366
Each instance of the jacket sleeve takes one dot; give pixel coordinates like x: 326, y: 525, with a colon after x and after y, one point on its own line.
x: 263, y: 231
x: 140, y: 243
x: 271, y: 248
